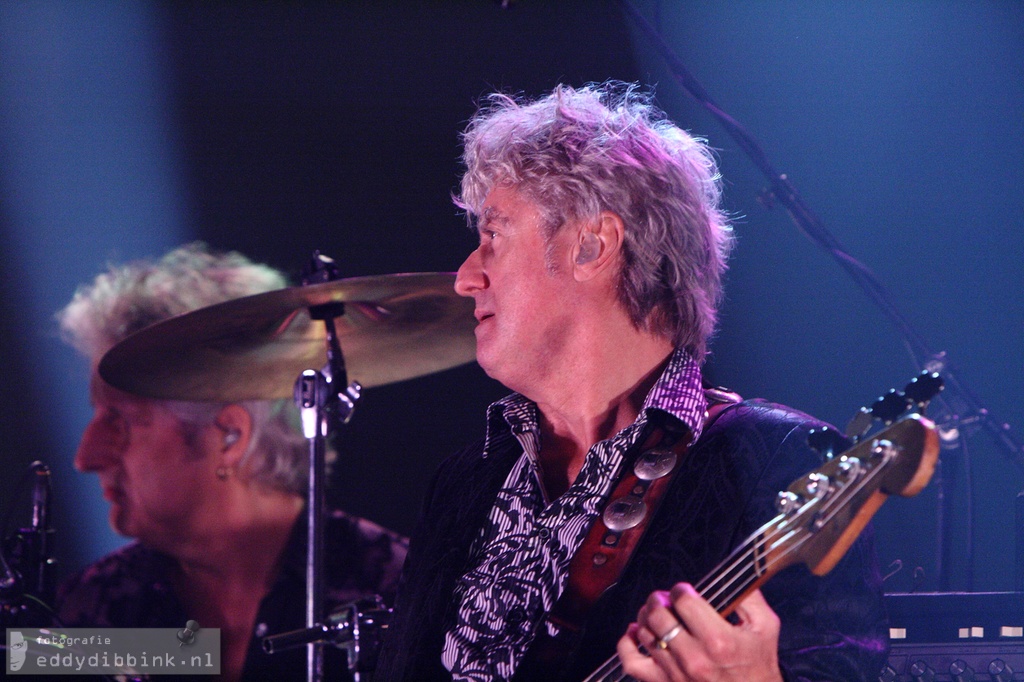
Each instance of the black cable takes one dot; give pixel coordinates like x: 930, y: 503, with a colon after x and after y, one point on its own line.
x: 783, y: 191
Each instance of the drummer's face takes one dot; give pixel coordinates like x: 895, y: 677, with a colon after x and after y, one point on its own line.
x: 519, y: 289
x: 151, y: 475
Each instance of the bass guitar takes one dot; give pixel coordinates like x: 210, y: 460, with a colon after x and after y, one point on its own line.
x: 822, y: 513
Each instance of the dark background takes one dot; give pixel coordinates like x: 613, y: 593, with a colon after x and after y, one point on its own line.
x: 276, y: 129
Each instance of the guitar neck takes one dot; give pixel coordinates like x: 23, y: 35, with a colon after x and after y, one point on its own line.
x: 741, y: 573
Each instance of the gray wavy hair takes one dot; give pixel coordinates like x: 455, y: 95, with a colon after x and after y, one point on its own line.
x: 132, y: 296
x: 606, y: 147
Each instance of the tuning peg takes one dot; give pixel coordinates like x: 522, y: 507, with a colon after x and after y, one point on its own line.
x: 923, y: 388
x: 890, y: 406
x: 859, y: 425
x: 826, y: 441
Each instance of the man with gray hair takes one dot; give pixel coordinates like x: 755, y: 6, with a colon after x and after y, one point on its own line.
x: 596, y: 284
x: 212, y: 493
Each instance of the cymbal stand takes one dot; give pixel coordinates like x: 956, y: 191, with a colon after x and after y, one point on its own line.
x: 319, y: 394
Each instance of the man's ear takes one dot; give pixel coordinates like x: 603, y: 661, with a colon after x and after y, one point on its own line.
x: 235, y: 422
x: 599, y: 243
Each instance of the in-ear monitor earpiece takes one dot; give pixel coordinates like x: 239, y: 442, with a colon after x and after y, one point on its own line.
x: 589, y: 247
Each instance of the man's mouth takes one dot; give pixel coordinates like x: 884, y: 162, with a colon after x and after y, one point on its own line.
x: 113, y: 493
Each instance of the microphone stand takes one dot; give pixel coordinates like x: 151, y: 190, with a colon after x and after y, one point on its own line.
x: 26, y: 564
x: 963, y: 406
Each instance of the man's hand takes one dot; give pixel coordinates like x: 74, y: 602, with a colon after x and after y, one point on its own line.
x: 688, y: 641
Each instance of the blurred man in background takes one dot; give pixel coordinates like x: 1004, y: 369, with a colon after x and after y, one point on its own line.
x: 213, y: 494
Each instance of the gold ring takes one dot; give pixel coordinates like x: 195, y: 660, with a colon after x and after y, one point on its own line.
x: 663, y: 641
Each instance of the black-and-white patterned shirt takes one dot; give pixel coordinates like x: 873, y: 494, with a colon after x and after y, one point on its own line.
x: 520, y: 560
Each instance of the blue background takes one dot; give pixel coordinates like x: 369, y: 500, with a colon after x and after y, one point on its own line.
x: 273, y: 129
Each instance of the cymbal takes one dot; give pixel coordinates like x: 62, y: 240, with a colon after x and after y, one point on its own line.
x: 394, y: 327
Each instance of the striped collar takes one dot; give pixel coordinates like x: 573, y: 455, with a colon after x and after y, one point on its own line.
x: 678, y: 393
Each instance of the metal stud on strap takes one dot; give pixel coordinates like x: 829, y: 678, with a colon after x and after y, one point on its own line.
x: 654, y: 463
x: 624, y: 513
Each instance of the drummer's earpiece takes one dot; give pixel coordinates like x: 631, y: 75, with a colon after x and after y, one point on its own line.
x: 589, y: 247
x: 231, y: 437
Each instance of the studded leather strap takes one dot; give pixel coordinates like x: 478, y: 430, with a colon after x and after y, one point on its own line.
x: 605, y: 551
x: 612, y: 538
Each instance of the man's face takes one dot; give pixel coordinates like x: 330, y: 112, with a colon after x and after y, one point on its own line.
x: 519, y: 289
x: 18, y: 649
x: 156, y: 481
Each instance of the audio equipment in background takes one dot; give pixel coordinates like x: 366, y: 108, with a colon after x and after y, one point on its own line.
x: 955, y: 637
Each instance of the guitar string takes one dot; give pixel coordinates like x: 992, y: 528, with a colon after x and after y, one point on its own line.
x: 829, y: 509
x: 613, y: 666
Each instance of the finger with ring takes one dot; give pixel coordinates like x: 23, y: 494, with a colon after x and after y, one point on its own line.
x: 663, y: 641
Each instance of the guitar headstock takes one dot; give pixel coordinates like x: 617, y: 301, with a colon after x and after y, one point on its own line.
x: 821, y: 514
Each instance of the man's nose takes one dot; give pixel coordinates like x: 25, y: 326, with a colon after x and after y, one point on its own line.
x: 470, y: 277
x: 101, y: 444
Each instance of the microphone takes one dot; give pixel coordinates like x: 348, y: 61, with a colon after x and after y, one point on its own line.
x: 25, y: 561
x: 188, y: 635
x: 41, y: 528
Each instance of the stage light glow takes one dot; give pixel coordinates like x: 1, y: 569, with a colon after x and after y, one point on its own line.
x: 89, y: 173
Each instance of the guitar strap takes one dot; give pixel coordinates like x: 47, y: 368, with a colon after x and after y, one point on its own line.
x: 609, y: 544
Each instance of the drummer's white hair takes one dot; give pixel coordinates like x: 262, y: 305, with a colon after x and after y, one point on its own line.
x: 606, y: 147
x: 129, y: 297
